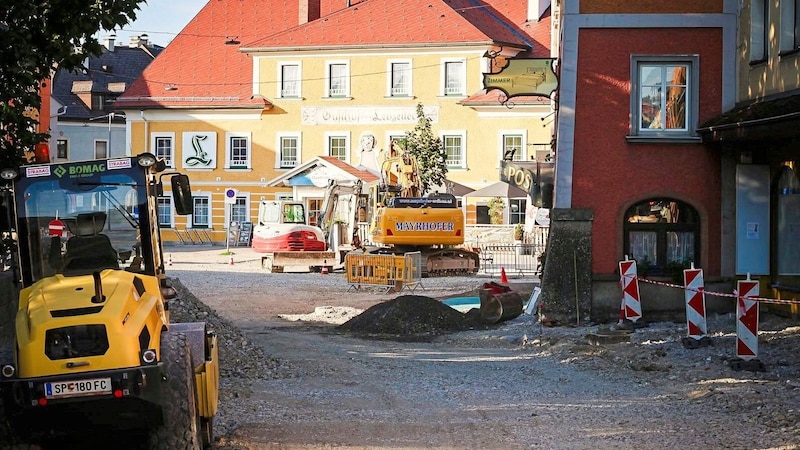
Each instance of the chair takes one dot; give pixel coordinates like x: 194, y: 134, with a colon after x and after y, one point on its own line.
x: 89, y: 250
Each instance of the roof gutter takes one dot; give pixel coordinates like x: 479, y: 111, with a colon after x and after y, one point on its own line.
x: 374, y: 46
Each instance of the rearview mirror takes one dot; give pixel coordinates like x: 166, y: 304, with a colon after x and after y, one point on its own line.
x: 181, y: 194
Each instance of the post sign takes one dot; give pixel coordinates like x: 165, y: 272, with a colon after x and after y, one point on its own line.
x: 56, y: 228
x: 230, y: 196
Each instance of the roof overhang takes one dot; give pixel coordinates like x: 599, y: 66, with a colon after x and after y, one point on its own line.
x: 768, y: 119
x: 316, y: 172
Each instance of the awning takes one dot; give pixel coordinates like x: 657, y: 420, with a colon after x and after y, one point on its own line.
x: 499, y: 189
x: 778, y: 118
x: 458, y: 190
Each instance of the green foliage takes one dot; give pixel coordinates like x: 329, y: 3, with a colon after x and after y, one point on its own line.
x: 40, y: 36
x: 519, y: 232
x: 428, y: 150
x: 496, y: 207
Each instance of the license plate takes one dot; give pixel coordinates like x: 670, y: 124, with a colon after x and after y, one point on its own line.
x: 78, y: 388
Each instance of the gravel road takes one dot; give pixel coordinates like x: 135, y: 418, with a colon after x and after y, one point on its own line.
x: 292, y: 380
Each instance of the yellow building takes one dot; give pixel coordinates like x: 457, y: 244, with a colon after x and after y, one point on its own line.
x: 237, y: 110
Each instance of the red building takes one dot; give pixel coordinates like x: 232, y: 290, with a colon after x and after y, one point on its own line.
x: 632, y: 177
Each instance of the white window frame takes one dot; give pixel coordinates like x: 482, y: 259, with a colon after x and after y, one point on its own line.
x: 759, y: 29
x: 154, y: 138
x: 279, y: 149
x: 190, y: 219
x: 391, y: 91
x: 281, y: 92
x: 443, y: 90
x: 689, y: 134
x: 240, y: 196
x: 171, y: 224
x: 229, y: 150
x: 456, y: 133
x: 95, y: 149
x: 328, y: 80
x: 501, y: 138
x: 790, y: 26
x: 66, y: 148
x: 329, y: 135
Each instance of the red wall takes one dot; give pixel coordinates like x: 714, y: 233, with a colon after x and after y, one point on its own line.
x: 610, y: 174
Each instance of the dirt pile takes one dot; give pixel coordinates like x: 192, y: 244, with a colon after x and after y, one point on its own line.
x: 409, y: 316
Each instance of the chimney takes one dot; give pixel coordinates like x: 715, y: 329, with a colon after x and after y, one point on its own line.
x: 144, y: 40
x: 110, y: 42
x: 309, y: 11
x: 134, y: 42
x: 536, y: 9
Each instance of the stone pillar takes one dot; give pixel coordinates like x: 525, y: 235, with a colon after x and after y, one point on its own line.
x: 567, y: 278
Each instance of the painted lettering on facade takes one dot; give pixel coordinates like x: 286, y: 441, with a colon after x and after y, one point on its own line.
x: 364, y: 115
x: 424, y: 226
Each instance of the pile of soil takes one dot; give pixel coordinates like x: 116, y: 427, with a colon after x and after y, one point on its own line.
x: 409, y: 316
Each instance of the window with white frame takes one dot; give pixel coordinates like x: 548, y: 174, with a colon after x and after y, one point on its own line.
x: 239, y: 210
x: 759, y: 30
x: 164, y: 147
x: 337, y: 144
x: 62, y: 149
x: 201, y: 211
x: 454, y: 77
x: 790, y: 25
x: 516, y: 210
x: 289, y: 80
x: 399, y: 78
x: 453, y: 143
x: 664, y: 96
x: 237, y: 150
x: 164, y: 211
x: 338, y: 79
x: 289, y: 150
x: 512, y: 143
x: 100, y: 149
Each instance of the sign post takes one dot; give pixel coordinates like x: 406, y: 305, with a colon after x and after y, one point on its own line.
x: 230, y: 199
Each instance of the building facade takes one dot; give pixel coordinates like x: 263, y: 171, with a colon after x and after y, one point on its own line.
x: 632, y: 176
x: 86, y: 121
x: 759, y: 144
x: 336, y: 81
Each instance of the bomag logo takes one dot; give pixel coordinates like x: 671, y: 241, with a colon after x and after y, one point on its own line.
x: 80, y: 171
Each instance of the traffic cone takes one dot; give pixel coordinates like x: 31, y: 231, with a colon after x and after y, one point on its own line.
x: 231, y: 260
x: 325, y: 267
x: 503, y: 277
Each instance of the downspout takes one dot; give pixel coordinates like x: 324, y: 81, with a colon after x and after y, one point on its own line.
x: 146, y: 131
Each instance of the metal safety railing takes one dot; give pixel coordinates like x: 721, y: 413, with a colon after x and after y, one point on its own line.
x: 519, y: 259
x: 392, y: 272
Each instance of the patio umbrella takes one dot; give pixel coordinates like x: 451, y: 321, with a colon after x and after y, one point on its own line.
x: 499, y: 189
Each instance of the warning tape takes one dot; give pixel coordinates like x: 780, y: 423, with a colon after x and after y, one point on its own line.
x: 719, y: 294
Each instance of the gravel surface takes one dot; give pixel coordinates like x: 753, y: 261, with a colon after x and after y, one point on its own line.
x: 294, y: 378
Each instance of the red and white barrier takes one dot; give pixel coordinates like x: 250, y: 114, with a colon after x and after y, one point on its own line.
x: 629, y: 280
x: 747, y: 319
x: 694, y: 287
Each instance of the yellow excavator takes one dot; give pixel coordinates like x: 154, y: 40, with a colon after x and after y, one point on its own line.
x: 403, y: 220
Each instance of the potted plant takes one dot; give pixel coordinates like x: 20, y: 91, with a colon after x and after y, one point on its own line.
x: 519, y: 234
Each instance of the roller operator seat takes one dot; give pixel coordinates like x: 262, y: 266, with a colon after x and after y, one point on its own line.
x: 88, y: 250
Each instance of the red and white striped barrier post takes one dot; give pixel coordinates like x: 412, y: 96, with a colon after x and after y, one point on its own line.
x: 747, y: 327
x: 694, y: 293
x: 631, y: 306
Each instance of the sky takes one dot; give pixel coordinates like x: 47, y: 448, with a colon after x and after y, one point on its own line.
x: 161, y: 20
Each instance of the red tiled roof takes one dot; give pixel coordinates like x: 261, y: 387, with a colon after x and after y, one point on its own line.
x: 405, y: 22
x: 208, y: 73
x: 362, y: 174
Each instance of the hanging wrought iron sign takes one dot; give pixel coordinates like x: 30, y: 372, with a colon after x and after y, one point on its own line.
x: 521, y: 77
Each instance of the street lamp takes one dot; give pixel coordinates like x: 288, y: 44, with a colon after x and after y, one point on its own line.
x: 110, y: 116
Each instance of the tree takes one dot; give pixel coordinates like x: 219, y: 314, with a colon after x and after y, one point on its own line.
x: 38, y: 37
x: 428, y: 150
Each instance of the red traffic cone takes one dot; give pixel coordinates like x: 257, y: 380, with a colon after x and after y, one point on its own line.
x: 503, y: 277
x: 324, y: 270
x: 231, y: 261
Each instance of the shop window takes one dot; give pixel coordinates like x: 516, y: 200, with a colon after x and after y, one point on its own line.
x: 663, y: 236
